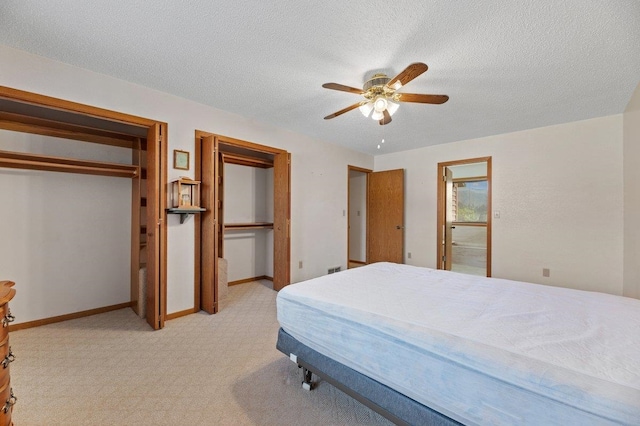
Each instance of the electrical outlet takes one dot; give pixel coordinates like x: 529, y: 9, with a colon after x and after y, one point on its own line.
x: 409, y: 255
x: 300, y: 265
x: 546, y: 272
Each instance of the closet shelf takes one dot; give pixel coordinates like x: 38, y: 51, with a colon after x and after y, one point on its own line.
x: 19, y: 160
x: 242, y: 226
x: 185, y: 212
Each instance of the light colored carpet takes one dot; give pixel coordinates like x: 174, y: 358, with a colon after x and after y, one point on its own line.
x: 223, y: 369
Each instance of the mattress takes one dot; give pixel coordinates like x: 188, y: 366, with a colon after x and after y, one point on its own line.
x: 479, y: 350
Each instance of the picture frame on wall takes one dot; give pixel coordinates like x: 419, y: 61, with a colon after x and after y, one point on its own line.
x: 180, y: 159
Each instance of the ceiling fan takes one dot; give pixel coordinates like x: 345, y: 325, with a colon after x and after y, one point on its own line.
x: 381, y: 96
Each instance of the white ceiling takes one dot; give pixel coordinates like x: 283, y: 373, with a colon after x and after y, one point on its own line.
x: 506, y: 65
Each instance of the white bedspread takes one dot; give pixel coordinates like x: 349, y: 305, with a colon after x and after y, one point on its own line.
x: 480, y: 350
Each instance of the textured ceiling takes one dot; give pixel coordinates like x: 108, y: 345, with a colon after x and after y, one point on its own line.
x: 506, y: 65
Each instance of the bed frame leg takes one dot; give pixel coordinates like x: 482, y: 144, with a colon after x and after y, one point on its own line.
x: 306, y: 383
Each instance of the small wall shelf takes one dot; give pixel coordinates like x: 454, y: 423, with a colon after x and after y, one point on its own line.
x: 185, y: 212
x: 242, y: 226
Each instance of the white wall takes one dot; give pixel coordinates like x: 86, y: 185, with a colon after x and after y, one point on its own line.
x: 319, y: 169
x: 248, y: 197
x: 559, y: 193
x: 632, y: 196
x: 66, y: 239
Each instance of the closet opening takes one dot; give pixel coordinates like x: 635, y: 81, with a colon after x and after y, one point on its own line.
x: 70, y: 236
x: 245, y: 233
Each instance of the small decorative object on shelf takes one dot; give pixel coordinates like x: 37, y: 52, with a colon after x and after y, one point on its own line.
x: 185, y: 193
x: 185, y: 197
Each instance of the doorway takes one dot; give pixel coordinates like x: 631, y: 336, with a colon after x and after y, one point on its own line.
x: 464, y: 219
x: 384, y: 219
x: 357, y: 216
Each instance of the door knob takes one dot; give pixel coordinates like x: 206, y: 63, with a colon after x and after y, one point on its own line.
x: 399, y: 227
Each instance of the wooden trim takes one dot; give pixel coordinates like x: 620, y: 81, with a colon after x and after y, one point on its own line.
x: 197, y: 234
x: 249, y: 145
x: 136, y: 241
x: 20, y: 123
x: 241, y: 226
x: 489, y: 215
x: 467, y: 161
x: 66, y: 317
x: 163, y: 187
x: 357, y: 262
x: 282, y: 221
x: 239, y: 142
x: 242, y: 160
x: 469, y: 179
x: 60, y: 104
x: 206, y: 236
x: 249, y: 280
x: 18, y: 160
x: 470, y: 223
x: 358, y: 169
x: 180, y: 314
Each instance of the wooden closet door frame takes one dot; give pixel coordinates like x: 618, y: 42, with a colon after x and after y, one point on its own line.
x: 156, y: 226
x: 206, y: 224
x: 95, y: 133
x: 208, y: 232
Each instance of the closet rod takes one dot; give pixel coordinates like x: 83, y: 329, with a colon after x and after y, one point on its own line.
x: 18, y: 160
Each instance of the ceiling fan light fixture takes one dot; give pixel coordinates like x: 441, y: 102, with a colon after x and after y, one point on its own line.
x: 380, y: 104
x: 377, y: 115
x: 392, y: 107
x: 366, y: 109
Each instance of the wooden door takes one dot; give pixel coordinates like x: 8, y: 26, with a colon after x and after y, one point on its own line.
x: 447, y: 260
x: 385, y: 216
x: 156, y: 238
x: 281, y: 220
x: 209, y: 226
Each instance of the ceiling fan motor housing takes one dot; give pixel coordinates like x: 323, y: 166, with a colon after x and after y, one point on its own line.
x: 376, y: 80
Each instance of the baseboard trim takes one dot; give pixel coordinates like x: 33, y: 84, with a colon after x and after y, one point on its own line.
x: 66, y: 317
x: 248, y: 280
x: 179, y: 314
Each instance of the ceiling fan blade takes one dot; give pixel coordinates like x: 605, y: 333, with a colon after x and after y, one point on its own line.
x: 386, y: 119
x: 343, y: 88
x: 342, y: 111
x: 409, y: 73
x: 423, y: 99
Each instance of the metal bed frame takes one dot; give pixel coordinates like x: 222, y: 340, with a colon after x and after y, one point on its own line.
x: 389, y: 403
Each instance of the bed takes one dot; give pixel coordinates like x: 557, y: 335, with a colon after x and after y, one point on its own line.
x: 425, y: 346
